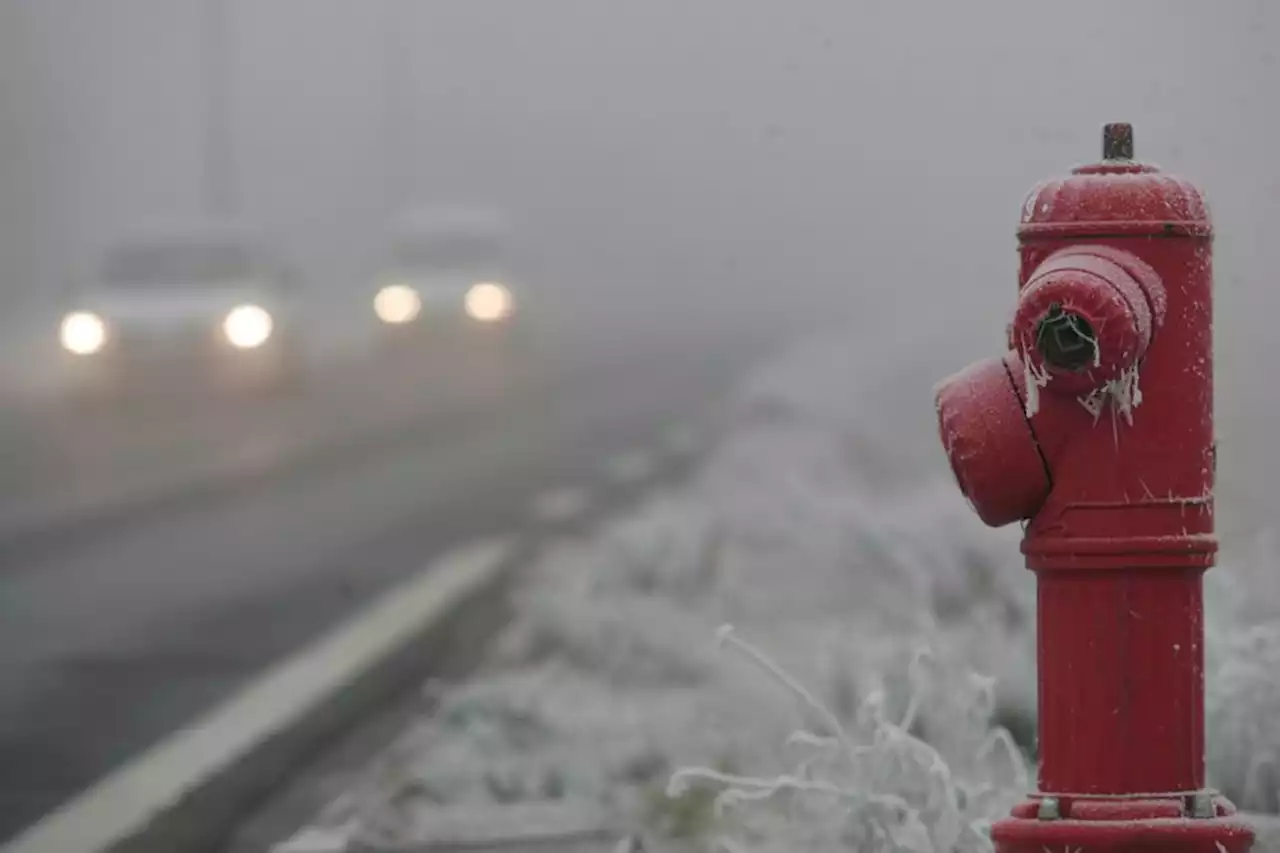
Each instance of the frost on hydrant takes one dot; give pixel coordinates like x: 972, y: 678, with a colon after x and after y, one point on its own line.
x: 1035, y: 378
x: 1125, y: 395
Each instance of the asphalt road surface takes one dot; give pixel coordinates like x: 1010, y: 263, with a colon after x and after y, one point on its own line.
x: 113, y: 637
x: 67, y: 451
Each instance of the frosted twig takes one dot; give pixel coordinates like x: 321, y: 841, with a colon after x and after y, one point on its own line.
x: 1000, y: 737
x: 913, y: 675
x: 726, y: 634
x: 803, y: 737
x: 750, y: 788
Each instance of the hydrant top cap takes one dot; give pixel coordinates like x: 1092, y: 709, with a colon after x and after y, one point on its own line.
x: 1117, y: 194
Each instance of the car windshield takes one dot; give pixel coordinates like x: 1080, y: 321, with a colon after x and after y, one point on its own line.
x: 446, y: 252
x: 167, y: 264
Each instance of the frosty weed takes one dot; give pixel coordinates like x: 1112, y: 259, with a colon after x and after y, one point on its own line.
x: 871, y: 786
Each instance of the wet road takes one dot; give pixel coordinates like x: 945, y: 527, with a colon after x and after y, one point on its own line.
x: 112, y: 636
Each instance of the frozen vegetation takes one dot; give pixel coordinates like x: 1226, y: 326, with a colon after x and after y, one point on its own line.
x: 875, y: 690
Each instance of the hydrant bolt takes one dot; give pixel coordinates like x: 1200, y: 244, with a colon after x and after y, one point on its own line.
x: 1117, y: 141
x: 1202, y: 805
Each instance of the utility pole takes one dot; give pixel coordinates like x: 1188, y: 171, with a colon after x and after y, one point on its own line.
x: 218, y: 179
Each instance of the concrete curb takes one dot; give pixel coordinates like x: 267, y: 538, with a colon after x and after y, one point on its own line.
x: 185, y: 792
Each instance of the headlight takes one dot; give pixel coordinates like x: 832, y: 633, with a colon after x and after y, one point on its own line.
x: 487, y: 302
x: 83, y: 333
x: 247, y: 326
x: 397, y: 303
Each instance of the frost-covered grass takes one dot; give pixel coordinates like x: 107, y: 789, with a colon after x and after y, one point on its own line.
x: 881, y: 663
x: 869, y: 782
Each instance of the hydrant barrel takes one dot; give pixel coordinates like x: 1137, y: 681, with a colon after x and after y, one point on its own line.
x: 1111, y: 358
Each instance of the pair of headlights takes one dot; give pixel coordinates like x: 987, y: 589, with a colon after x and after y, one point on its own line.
x: 244, y: 327
x: 486, y: 302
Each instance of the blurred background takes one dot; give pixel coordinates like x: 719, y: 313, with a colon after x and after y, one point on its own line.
x: 382, y: 269
x: 727, y: 158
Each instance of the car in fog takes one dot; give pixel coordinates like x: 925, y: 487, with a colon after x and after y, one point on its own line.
x: 205, y: 308
x: 444, y: 283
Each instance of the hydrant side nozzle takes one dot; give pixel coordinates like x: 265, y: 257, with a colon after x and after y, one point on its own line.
x: 994, y: 453
x: 1083, y: 319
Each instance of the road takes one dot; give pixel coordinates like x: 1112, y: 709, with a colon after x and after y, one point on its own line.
x: 113, y: 636
x: 57, y: 456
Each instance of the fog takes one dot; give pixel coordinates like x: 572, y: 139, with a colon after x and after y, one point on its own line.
x: 686, y: 181
x: 737, y: 156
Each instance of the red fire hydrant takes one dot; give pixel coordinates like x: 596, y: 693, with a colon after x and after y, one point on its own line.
x: 1096, y: 430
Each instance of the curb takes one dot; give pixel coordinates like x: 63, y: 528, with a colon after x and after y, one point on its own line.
x: 187, y: 790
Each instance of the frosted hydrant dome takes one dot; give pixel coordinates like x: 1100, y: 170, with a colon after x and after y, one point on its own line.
x: 1128, y: 195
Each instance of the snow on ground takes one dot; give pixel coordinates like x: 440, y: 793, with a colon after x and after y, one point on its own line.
x: 880, y: 653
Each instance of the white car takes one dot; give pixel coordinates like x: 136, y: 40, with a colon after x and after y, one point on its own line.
x: 444, y: 281
x: 206, y: 309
